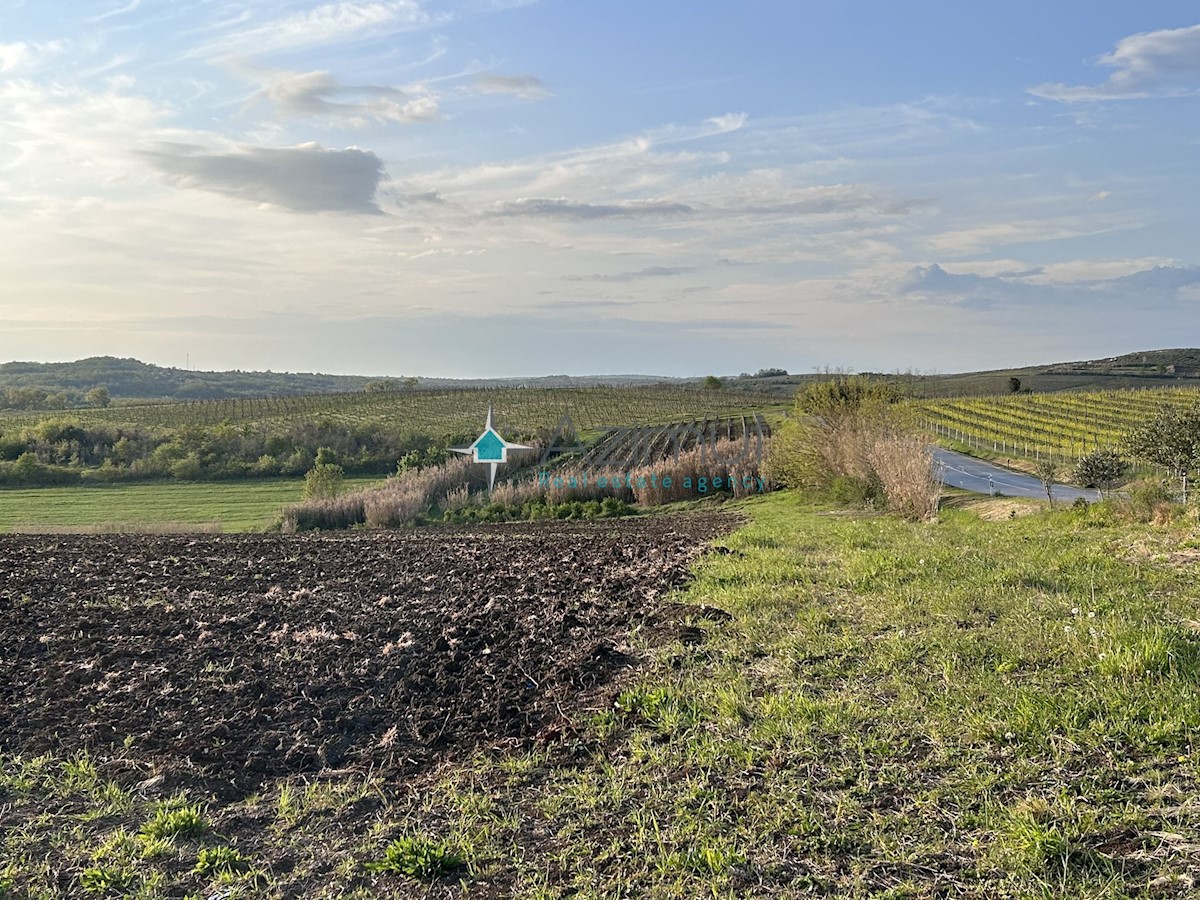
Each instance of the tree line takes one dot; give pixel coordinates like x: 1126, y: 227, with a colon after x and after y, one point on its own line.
x: 66, y: 450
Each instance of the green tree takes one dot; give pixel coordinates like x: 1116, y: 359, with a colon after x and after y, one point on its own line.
x: 1170, y: 439
x: 381, y: 386
x: 713, y: 383
x: 1101, y: 469
x: 324, y: 481
x: 98, y: 397
x: 1014, y: 385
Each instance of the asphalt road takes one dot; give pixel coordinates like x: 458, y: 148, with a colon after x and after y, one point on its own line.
x: 984, y: 478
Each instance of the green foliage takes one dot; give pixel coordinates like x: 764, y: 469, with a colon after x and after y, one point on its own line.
x: 324, y: 481
x: 844, y: 395
x: 421, y: 458
x: 418, y: 857
x: 98, y: 397
x: 713, y: 383
x: 173, y: 818
x: 1101, y: 469
x: 608, y: 508
x: 856, y: 491
x: 1171, y: 439
x: 1014, y: 385
x: 212, y: 861
x: 107, y: 879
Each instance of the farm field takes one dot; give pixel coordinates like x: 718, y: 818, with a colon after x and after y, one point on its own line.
x: 1064, y: 426
x: 245, y: 505
x: 838, y: 704
x: 207, y: 668
x: 437, y: 413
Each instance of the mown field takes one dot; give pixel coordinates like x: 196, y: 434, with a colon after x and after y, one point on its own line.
x: 247, y: 505
x: 845, y: 705
x: 1063, y: 425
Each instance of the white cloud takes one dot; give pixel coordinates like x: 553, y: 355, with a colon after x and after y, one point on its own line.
x: 1151, y: 64
x: 728, y: 122
x: 22, y: 56
x: 319, y: 95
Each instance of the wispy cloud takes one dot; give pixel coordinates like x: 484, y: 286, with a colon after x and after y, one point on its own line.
x: 623, y: 277
x: 527, y: 87
x: 1151, y: 64
x: 728, y: 122
x: 562, y: 208
x: 303, y: 95
x: 326, y: 24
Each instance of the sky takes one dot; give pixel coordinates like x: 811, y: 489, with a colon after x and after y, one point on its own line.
x: 522, y: 187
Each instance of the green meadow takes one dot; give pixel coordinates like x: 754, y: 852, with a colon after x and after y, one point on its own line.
x: 246, y: 505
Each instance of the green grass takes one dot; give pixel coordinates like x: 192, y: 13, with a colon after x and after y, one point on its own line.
x: 245, y: 505
x: 965, y: 708
x: 957, y: 709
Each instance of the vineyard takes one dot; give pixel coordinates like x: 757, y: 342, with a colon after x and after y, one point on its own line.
x: 1060, y: 426
x: 519, y: 411
x: 630, y: 448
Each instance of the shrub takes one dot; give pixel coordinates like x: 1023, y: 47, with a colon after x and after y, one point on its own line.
x: 1100, y: 469
x: 848, y: 441
x: 1145, y: 500
x: 324, y: 481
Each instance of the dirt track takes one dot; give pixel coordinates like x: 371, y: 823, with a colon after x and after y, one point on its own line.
x: 234, y: 659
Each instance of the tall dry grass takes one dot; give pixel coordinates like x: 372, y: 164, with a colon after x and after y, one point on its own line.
x: 867, y: 454
x: 729, y: 467
x: 903, y: 463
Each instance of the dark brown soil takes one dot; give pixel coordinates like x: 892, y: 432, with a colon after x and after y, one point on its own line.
x: 235, y: 659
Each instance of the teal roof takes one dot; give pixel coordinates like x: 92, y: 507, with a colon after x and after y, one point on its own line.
x: 489, y: 447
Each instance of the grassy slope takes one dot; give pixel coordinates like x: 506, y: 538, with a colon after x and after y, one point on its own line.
x: 973, y: 709
x: 237, y: 505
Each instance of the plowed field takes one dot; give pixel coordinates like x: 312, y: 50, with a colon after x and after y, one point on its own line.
x: 231, y: 660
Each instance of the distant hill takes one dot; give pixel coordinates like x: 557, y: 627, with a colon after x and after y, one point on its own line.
x: 130, y: 379
x: 64, y: 385
x: 1145, y: 369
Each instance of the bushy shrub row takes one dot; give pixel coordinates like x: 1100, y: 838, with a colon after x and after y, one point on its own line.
x: 101, y: 452
x: 608, y: 508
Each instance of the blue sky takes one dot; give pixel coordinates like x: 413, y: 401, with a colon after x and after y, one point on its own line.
x: 500, y: 187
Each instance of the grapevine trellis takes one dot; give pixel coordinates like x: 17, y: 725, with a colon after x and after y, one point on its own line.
x: 1061, y: 427
x: 629, y: 448
x: 520, y: 412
